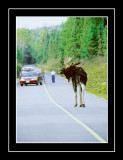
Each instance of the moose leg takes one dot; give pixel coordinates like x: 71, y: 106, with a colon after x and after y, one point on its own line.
x: 75, y: 91
x: 80, y: 94
x: 75, y: 99
x: 83, y: 91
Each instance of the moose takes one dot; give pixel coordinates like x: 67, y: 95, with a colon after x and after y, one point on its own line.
x: 79, y: 78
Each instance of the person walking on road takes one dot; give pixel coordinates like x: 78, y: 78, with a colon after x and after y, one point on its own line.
x: 43, y: 74
x: 53, y: 76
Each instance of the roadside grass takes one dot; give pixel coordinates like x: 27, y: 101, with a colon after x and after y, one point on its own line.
x: 96, y: 70
x: 97, y: 78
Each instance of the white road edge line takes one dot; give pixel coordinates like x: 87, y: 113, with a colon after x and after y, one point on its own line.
x: 99, y: 138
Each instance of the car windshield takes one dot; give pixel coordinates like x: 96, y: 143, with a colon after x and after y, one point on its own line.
x: 27, y: 70
x: 24, y: 68
x: 29, y: 74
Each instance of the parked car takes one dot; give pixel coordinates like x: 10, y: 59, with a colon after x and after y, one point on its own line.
x: 25, y: 69
x: 29, y: 78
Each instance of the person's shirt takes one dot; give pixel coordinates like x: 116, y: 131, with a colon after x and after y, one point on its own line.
x: 42, y: 71
x: 53, y: 72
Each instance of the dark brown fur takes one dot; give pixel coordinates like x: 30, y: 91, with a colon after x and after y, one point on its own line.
x: 78, y: 76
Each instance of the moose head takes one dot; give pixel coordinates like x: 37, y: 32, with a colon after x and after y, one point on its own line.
x: 70, y: 70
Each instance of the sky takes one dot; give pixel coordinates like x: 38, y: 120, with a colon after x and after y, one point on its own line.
x: 37, y: 22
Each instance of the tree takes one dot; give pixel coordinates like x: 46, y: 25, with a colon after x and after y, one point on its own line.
x: 100, y: 29
x: 24, y: 42
x: 79, y: 37
x: 76, y: 36
x: 105, y: 41
x: 19, y: 56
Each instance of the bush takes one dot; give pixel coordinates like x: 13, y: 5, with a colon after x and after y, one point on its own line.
x: 19, y: 67
x: 97, y: 77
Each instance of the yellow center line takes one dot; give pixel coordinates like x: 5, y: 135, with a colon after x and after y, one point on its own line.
x: 99, y: 138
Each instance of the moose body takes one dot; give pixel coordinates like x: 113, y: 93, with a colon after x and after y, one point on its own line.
x: 79, y: 78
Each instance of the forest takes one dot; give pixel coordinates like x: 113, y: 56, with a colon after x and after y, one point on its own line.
x: 79, y: 37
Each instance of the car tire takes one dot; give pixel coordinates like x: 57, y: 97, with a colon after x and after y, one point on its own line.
x: 21, y: 84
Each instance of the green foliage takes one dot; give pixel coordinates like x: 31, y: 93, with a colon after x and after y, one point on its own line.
x: 105, y: 41
x: 19, y: 67
x: 24, y: 46
x: 97, y: 76
x: 81, y: 37
x: 84, y: 37
x: 19, y: 56
x: 50, y: 64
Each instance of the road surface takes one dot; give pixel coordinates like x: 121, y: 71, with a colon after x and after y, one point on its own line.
x: 46, y: 113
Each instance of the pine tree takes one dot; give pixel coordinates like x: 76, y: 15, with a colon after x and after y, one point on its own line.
x: 105, y: 41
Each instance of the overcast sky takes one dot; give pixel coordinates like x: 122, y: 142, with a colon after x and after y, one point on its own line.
x: 36, y: 22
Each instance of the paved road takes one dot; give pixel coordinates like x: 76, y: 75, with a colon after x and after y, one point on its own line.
x: 46, y: 113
